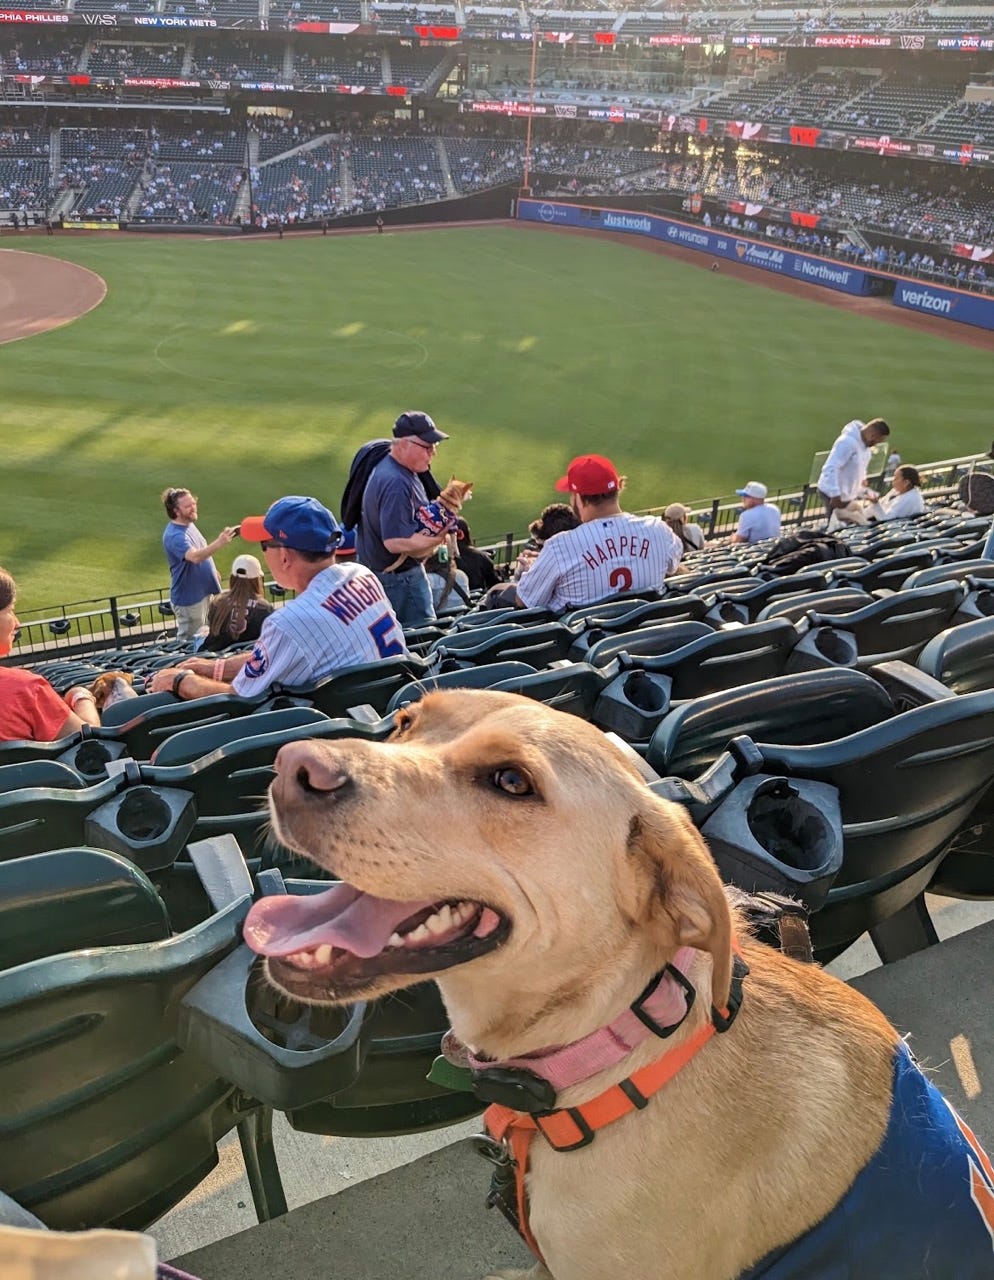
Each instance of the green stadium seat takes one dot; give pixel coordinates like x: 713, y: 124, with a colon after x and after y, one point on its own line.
x: 111, y: 1124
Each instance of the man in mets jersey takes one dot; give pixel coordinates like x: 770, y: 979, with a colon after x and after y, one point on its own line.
x: 610, y: 553
x: 339, y: 618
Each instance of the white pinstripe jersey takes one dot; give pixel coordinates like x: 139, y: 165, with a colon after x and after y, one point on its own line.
x: 341, y: 619
x: 599, y: 559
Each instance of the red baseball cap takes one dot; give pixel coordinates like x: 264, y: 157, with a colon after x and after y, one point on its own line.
x: 588, y: 476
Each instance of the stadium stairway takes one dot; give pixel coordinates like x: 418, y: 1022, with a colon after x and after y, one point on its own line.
x: 419, y: 1201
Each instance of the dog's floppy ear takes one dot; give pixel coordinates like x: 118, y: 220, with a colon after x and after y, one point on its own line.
x: 680, y: 892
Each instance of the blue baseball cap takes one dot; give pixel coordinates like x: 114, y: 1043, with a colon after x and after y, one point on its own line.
x: 301, y: 524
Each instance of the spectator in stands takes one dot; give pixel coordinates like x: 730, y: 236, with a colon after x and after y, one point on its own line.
x: 193, y: 576
x: 759, y: 519
x: 339, y: 617
x: 30, y: 709
x: 903, y: 500
x: 479, y: 568
x: 557, y: 517
x: 389, y: 525
x: 691, y: 536
x: 610, y: 553
x: 449, y: 584
x: 843, y: 473
x: 236, y: 615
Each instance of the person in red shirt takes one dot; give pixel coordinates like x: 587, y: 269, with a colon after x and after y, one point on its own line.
x: 30, y: 708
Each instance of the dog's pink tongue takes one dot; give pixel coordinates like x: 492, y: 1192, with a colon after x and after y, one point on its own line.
x: 342, y: 917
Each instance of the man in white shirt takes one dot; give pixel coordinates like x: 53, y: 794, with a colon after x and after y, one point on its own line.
x: 610, y: 553
x: 759, y: 519
x: 843, y: 475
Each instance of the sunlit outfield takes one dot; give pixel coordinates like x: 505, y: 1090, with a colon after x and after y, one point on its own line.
x: 247, y: 370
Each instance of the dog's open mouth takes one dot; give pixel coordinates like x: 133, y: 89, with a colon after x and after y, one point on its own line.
x: 338, y: 940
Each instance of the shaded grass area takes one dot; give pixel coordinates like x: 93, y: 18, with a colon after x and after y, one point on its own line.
x: 250, y: 369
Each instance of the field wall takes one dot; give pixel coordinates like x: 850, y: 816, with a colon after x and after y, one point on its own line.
x: 915, y: 295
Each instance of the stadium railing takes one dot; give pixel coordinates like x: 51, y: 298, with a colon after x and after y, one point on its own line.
x: 141, y: 617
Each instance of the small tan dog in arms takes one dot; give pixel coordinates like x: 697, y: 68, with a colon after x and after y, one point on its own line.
x: 439, y: 516
x: 703, y: 1105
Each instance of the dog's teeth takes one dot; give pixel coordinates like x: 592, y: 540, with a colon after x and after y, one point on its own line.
x: 419, y: 934
x: 440, y: 921
x: 395, y: 940
x: 323, y: 954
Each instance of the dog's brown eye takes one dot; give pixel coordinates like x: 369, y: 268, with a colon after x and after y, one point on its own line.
x: 513, y: 781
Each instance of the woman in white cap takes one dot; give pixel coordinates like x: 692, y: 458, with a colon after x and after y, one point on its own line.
x: 691, y: 535
x: 236, y: 615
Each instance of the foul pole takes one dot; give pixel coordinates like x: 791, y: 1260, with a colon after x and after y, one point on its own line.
x: 526, y: 189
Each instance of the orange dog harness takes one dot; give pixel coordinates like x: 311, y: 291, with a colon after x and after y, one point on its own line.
x: 569, y: 1128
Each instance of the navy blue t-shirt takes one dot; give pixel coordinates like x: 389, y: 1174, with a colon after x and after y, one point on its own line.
x: 389, y: 510
x: 922, y: 1209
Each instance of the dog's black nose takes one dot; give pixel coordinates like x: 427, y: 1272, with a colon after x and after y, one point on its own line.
x: 305, y: 765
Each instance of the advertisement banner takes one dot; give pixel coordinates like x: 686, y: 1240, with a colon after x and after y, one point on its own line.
x: 766, y: 255
x: 950, y: 304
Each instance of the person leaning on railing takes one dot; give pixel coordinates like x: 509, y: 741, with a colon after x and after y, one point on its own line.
x: 30, y: 709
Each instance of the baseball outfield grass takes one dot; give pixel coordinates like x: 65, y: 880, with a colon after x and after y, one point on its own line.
x: 248, y: 370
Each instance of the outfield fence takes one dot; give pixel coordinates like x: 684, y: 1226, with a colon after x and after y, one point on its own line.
x: 138, y: 618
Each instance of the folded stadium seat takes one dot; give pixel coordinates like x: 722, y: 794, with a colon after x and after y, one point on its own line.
x: 693, y: 580
x: 832, y: 600
x: 794, y: 710
x: 372, y: 683
x: 573, y: 687
x: 122, y: 712
x: 952, y: 572
x: 147, y: 728
x: 537, y: 646
x: 627, y: 612
x: 113, y: 1124
x: 190, y: 744
x: 961, y: 658
x: 488, y: 617
x: 888, y: 572
x: 69, y: 899
x: 39, y: 773
x: 758, y: 593
x: 283, y: 1055
x: 906, y: 787
x: 656, y: 639
x: 420, y: 639
x: 635, y: 702
x: 978, y: 601
x: 895, y: 627
x: 641, y: 617
x: 87, y: 752
x: 37, y: 819
x: 487, y: 676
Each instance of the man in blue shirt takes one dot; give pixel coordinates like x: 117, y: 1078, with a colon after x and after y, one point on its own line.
x: 759, y: 518
x: 389, y: 524
x: 193, y: 577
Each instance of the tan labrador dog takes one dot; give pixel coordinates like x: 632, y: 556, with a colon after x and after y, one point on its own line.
x: 510, y: 852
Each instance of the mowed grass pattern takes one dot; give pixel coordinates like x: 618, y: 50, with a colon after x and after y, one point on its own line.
x: 251, y: 369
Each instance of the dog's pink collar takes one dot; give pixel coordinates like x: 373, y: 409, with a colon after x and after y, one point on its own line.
x: 658, y: 1013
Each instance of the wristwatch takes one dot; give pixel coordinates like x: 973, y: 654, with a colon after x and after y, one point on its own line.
x: 178, y: 679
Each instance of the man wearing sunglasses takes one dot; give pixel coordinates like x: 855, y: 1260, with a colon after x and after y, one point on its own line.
x: 389, y: 524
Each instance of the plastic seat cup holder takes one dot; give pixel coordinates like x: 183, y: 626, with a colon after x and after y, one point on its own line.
x: 634, y: 704
x: 91, y: 756
x: 823, y: 647
x: 149, y: 825
x: 216, y: 1022
x: 780, y: 835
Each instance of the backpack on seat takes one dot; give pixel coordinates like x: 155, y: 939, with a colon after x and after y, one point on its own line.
x: 799, y: 550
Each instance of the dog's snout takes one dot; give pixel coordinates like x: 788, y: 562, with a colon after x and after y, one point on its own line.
x: 302, y: 765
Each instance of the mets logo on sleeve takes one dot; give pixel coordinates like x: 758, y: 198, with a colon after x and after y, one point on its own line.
x: 258, y: 663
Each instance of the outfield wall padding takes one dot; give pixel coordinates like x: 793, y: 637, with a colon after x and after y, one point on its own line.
x: 767, y: 256
x: 949, y: 304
